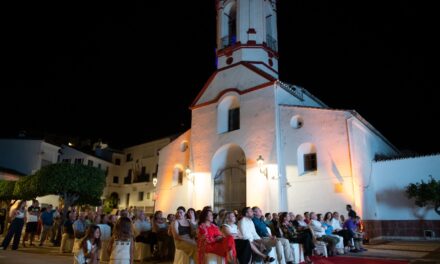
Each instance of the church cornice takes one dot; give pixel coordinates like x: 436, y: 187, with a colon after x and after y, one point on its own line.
x: 211, y: 78
x: 227, y: 51
x: 353, y: 114
x: 261, y: 86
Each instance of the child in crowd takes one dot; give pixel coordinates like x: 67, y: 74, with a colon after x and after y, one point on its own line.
x: 88, y: 252
x: 121, y: 245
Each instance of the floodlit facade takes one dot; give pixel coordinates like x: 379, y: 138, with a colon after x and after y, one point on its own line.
x: 255, y: 140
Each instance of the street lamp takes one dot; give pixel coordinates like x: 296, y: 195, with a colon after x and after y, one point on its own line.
x: 154, y: 193
x: 260, y: 162
x: 189, y: 174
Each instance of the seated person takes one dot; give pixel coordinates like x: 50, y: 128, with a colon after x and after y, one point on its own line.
x: 288, y: 231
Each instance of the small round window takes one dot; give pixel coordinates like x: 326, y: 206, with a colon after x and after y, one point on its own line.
x: 296, y: 121
x: 184, y: 146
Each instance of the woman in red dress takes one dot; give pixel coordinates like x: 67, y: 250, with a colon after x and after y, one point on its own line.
x: 211, y: 240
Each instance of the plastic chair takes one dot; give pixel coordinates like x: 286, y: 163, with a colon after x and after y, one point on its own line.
x: 214, y: 259
x: 297, y: 250
x: 180, y: 257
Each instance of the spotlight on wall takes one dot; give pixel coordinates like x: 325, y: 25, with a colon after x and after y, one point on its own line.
x: 189, y: 174
x: 263, y: 169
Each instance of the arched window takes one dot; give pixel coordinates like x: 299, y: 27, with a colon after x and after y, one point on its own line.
x: 229, y: 25
x: 177, y: 176
x: 228, y: 114
x: 307, y: 158
x: 271, y: 39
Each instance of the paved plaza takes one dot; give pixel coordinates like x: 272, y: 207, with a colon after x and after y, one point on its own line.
x: 416, y: 252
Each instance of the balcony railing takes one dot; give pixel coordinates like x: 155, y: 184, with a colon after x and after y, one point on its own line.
x: 127, y: 180
x: 271, y: 43
x: 142, y: 178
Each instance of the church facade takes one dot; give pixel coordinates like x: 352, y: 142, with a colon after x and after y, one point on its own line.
x: 256, y: 141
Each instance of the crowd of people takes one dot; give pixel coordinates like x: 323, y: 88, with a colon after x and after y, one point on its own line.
x: 238, y: 237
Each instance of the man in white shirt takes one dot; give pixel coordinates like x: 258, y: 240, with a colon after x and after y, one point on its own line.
x: 246, y: 225
x: 338, y: 230
x: 32, y: 222
x: 319, y: 232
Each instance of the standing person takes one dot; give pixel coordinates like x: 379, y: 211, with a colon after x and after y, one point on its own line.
x: 351, y: 212
x: 3, y: 213
x: 88, y: 252
x: 68, y: 233
x: 47, y: 221
x: 17, y: 218
x: 57, y: 227
x: 121, y: 245
x: 32, y: 223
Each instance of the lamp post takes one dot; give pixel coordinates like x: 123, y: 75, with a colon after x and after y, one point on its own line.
x: 260, y: 162
x: 189, y: 174
x: 154, y: 193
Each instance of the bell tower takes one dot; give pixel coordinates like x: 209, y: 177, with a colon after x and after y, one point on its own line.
x: 247, y: 32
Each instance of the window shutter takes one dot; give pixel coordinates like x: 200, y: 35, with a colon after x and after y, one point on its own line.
x: 310, y: 162
x: 234, y: 119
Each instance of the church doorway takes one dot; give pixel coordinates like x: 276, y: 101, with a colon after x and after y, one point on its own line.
x: 229, y: 170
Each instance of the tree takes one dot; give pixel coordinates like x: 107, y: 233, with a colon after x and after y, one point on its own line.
x: 75, y: 183
x: 7, y: 190
x: 7, y: 195
x: 27, y: 188
x: 425, y: 193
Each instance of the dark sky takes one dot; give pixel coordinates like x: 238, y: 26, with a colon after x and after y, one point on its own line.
x: 80, y: 68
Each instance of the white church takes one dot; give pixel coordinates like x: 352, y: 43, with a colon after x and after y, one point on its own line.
x: 256, y: 141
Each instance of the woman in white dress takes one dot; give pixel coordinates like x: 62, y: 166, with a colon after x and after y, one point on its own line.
x: 121, y: 245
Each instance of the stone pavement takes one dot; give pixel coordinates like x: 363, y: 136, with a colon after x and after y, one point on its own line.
x: 414, y: 251
x: 417, y: 252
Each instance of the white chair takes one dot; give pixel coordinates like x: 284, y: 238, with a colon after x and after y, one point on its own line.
x: 340, y: 246
x: 214, y: 259
x: 180, y: 257
x: 297, y: 250
x: 321, y: 248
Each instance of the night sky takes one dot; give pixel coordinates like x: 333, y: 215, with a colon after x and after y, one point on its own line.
x: 64, y: 58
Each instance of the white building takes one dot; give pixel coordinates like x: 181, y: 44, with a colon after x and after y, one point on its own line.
x: 26, y: 156
x: 74, y: 156
x: 130, y: 179
x: 257, y: 141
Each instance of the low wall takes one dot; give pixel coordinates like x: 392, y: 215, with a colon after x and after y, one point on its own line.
x: 404, y: 229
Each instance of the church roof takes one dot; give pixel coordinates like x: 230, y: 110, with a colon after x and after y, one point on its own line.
x: 354, y: 114
x: 249, y: 66
x: 298, y: 92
